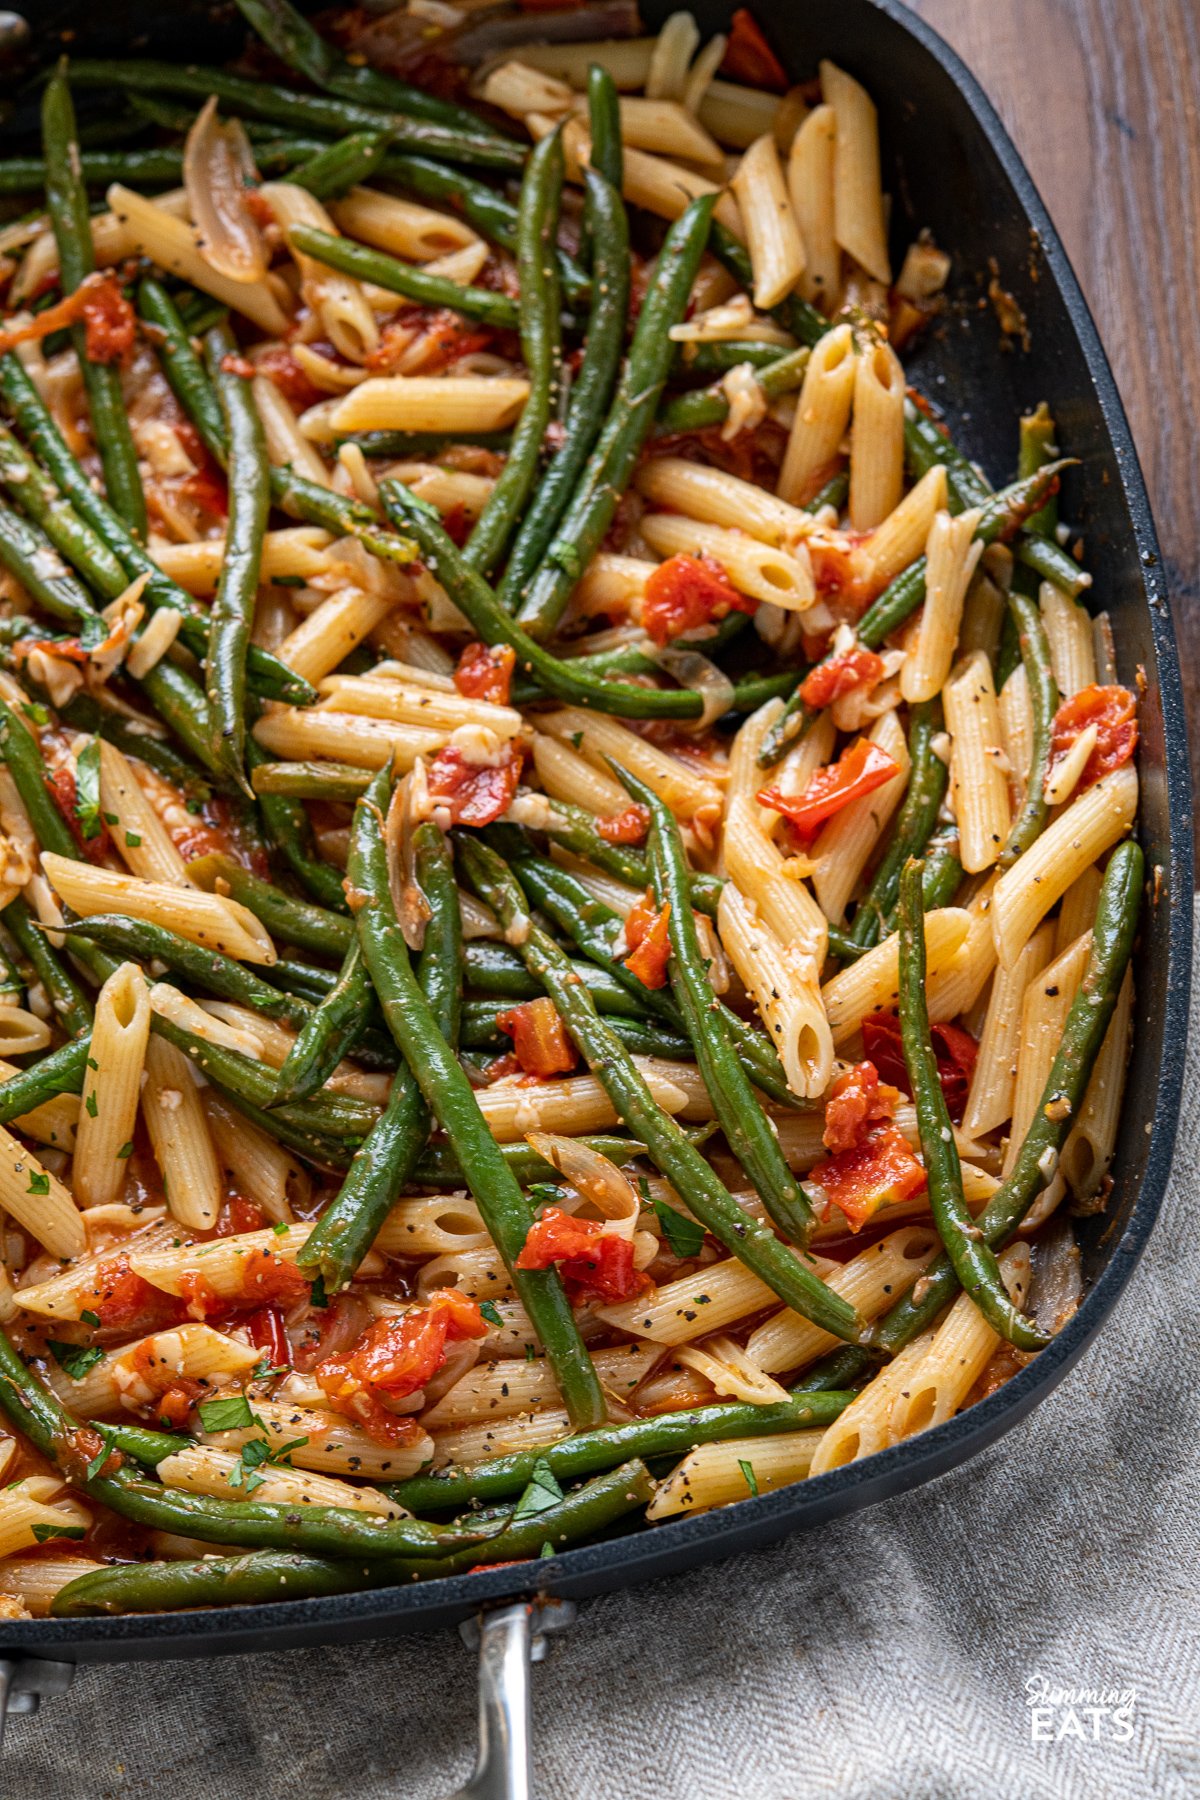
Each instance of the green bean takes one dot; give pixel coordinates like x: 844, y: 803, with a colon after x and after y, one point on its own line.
x: 1034, y: 810
x: 237, y: 587
x: 925, y: 443
x: 298, y: 44
x: 291, y: 921
x: 592, y: 925
x: 27, y: 553
x: 71, y: 1007
x: 575, y: 829
x: 21, y: 754
x: 290, y: 832
x: 330, y: 1032
x: 787, y: 1275
x: 541, y: 352
x: 38, y: 497
x: 210, y: 970
x: 472, y: 595
x: 710, y: 406
x: 271, y: 677
x: 403, y: 278
x: 592, y: 391
x: 641, y: 1037
x: 749, y: 1133
x: 1087, y: 1022
x: 389, y: 444
x: 309, y: 780
x: 447, y: 1091
x: 1038, y: 448
x: 611, y: 464
x: 1008, y: 654
x: 323, y: 1530
x: 482, y: 206
x: 304, y: 112
x: 336, y: 167
x: 439, y: 1168
x: 974, y: 1263
x: 385, y: 1163
x: 928, y: 776
x: 293, y: 494
x: 60, y: 1071
x: 67, y: 204
x: 98, y: 168
x: 497, y: 970
x: 939, y: 884
x: 272, y: 1575
x: 12, y: 987
x: 667, y: 1434
x: 604, y: 126
x: 629, y: 659
x: 718, y: 358
x: 139, y: 1441
x: 1000, y: 517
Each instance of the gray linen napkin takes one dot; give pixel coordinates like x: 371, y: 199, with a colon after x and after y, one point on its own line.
x: 890, y: 1656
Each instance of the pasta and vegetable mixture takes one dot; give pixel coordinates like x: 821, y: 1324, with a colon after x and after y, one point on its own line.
x: 566, y: 861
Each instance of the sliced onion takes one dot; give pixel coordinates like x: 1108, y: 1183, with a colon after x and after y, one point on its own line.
x: 691, y: 670
x: 594, y: 1178
x: 1057, y: 1285
x: 412, y: 908
x: 217, y: 165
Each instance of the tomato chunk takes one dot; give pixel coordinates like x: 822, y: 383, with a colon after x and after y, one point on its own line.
x: 265, y: 1330
x: 485, y: 672
x: 267, y: 1279
x: 594, y: 1264
x: 107, y: 317
x: 176, y: 1402
x: 540, y: 1042
x: 424, y: 341
x: 628, y: 827
x: 687, y: 592
x: 122, y: 1300
x: 881, y: 1170
x: 395, y: 1358
x: 474, y: 793
x: 1113, y: 711
x: 856, y: 1100
x: 858, y: 771
x: 749, y: 57
x: 955, y: 1049
x: 841, y: 675
x: 238, y: 1215
x: 647, y: 934
x: 282, y: 367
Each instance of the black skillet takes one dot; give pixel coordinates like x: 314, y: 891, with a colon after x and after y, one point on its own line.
x: 949, y: 165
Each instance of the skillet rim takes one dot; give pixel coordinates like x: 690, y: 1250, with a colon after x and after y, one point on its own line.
x: 636, y: 1557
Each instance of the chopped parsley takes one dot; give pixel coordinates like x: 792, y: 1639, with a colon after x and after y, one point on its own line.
x: 684, y: 1235
x: 230, y: 1414
x: 266, y: 1370
x: 102, y: 1455
x: 40, y: 715
x: 125, y: 1152
x: 490, y: 1312
x: 91, y: 1105
x: 76, y: 1359
x: 542, y: 1493
x: 547, y: 1549
x: 90, y: 1318
x: 748, y: 1476
x: 43, y: 1533
x: 39, y: 1182
x: 132, y: 840
x: 280, y: 1229
x: 87, y: 789
x: 257, y: 1451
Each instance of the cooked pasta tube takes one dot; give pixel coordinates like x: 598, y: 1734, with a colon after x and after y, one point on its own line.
x: 760, y: 570
x: 846, y: 843
x: 171, y: 242
x: 822, y: 415
x: 989, y: 1102
x: 717, y: 498
x: 858, y: 212
x: 871, y: 1281
x: 872, y: 983
x: 957, y: 1356
x: 409, y: 703
x: 417, y: 233
x: 783, y: 978
x: 566, y: 775
x: 305, y: 733
x: 38, y: 1201
x: 977, y: 778
x: 424, y: 403
x: 53, y: 1122
x: 211, y: 920
x: 228, y: 1267
x: 338, y: 300
x: 35, y: 1580
x: 951, y: 554
x: 141, y: 838
x: 772, y: 235
x: 298, y: 551
x: 1088, y: 1151
x: 810, y: 186
x: 500, y: 1390
x: 1069, y: 634
x: 324, y: 1443
x: 599, y: 738
x: 36, y: 1510
x: 716, y: 1474
x: 138, y: 1374
x: 200, y: 1469
x: 866, y: 1425
x: 877, y: 440
x: 1071, y: 843
x: 262, y: 1170
x: 104, y: 1137
x: 902, y: 536
x: 183, y: 1148
x: 1047, y: 1001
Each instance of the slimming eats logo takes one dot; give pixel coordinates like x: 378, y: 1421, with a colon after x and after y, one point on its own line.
x: 1093, y: 1715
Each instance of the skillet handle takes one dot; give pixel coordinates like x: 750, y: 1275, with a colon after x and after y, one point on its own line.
x: 509, y: 1639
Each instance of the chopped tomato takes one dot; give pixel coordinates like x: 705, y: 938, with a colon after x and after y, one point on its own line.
x: 955, y: 1049
x: 474, y: 793
x: 594, y: 1263
x: 686, y: 592
x: 265, y: 1331
x: 858, y: 771
x: 65, y: 794
x: 647, y: 934
x: 841, y: 675
x: 856, y: 1100
x: 425, y: 342
x: 878, y: 1172
x: 840, y: 573
x: 238, y: 1215
x: 282, y: 367
x: 540, y: 1042
x: 107, y: 318
x: 485, y: 671
x: 1113, y: 711
x: 122, y: 1299
x: 237, y: 365
x: 628, y: 827
x: 176, y: 1402
x: 749, y: 57
x: 267, y: 1278
x: 199, y: 1297
x: 394, y: 1358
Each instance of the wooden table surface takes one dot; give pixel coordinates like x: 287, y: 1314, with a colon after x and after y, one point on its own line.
x: 1102, y: 98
